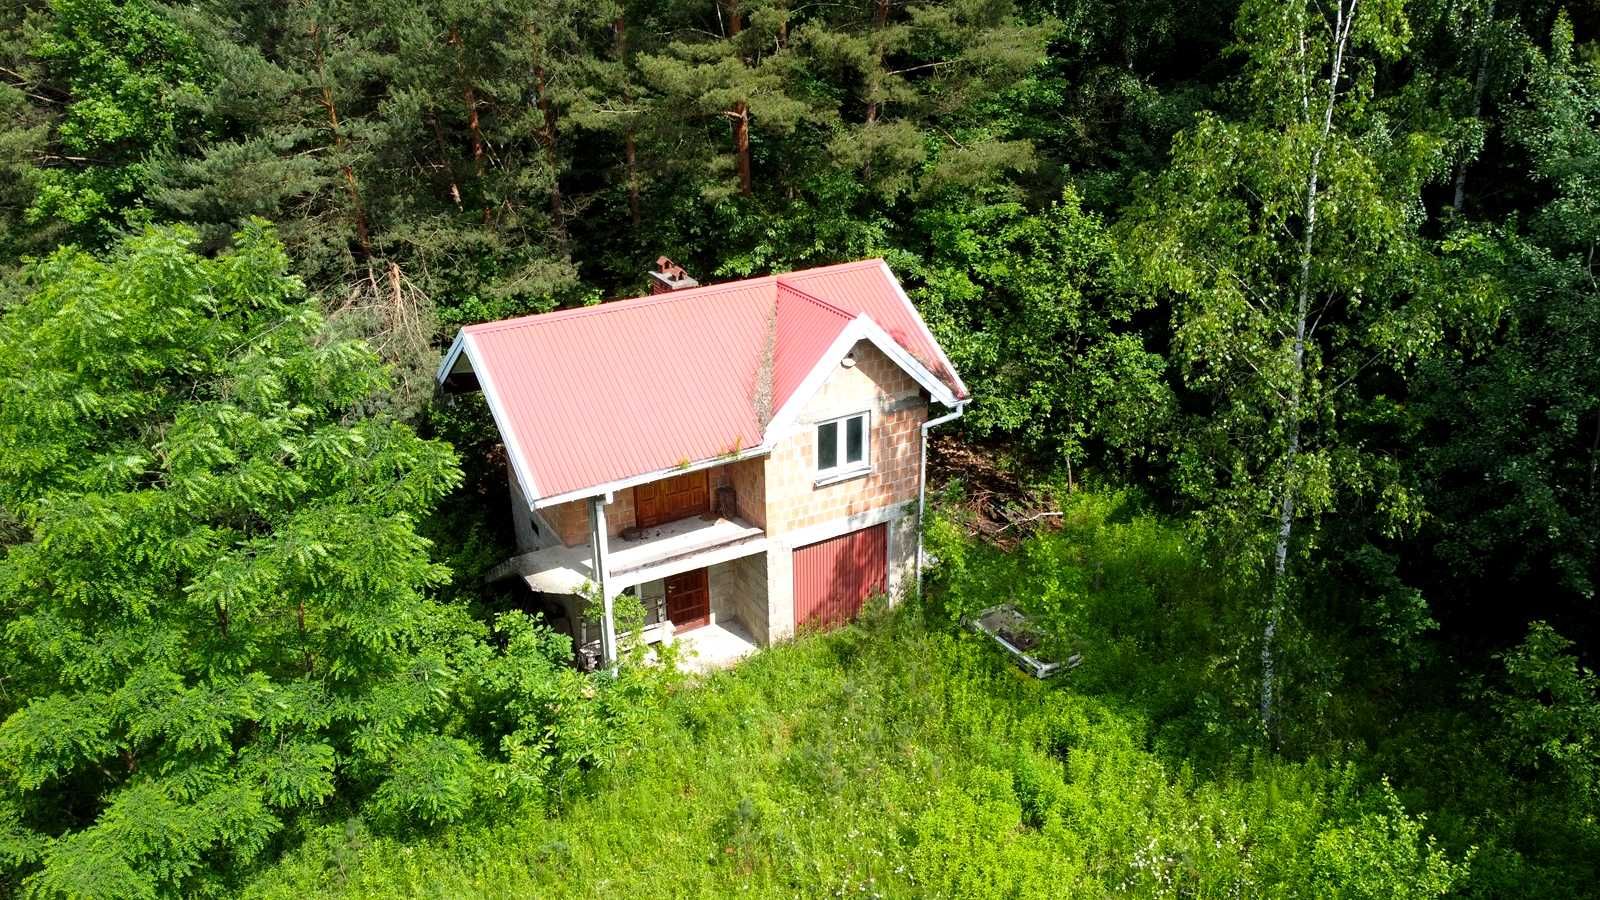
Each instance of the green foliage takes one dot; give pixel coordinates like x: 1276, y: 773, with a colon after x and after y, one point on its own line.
x: 1550, y: 713
x: 220, y: 612
x: 1383, y: 853
x: 1100, y: 208
x: 133, y: 76
x: 1026, y: 304
x: 888, y: 759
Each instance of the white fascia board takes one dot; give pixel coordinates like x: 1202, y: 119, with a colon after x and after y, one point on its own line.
x: 917, y: 317
x: 609, y: 488
x: 451, y: 355
x: 502, y: 421
x: 914, y: 367
x: 862, y: 328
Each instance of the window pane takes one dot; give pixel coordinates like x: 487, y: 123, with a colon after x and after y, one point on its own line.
x: 827, y: 445
x: 854, y: 439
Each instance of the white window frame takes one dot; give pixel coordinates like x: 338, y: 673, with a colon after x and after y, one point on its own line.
x: 842, y: 470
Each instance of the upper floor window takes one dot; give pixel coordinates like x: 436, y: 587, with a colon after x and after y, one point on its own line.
x: 842, y: 446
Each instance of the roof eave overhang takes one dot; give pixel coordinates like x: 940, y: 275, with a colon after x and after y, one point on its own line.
x: 960, y: 386
x: 465, y: 347
x: 861, y: 328
x: 610, y: 487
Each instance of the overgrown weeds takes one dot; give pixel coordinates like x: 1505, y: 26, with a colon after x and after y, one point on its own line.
x: 900, y: 756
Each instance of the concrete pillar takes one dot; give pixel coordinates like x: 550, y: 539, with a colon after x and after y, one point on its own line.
x: 602, y: 580
x: 521, y: 514
x: 780, y: 591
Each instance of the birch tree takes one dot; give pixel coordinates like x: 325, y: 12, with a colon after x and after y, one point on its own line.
x: 1288, y: 242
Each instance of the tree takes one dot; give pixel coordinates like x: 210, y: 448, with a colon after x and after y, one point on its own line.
x: 129, y: 72
x: 724, y: 74
x: 218, y: 609
x: 1512, y: 425
x: 1288, y: 242
x: 1029, y: 306
x: 921, y: 87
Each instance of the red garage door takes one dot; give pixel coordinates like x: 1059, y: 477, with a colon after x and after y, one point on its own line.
x: 833, y: 578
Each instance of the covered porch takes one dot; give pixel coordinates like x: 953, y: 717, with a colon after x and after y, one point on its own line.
x: 701, y: 581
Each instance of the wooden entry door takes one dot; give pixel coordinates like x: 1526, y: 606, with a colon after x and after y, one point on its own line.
x: 670, y: 499
x: 688, y: 599
x: 833, y: 578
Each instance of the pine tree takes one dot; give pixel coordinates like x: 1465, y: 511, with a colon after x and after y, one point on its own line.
x: 724, y: 69
x: 924, y: 79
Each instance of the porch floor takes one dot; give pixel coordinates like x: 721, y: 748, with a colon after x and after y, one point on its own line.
x: 715, y: 646
x: 651, y: 553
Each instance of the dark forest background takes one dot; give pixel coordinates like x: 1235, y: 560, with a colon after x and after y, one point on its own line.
x: 1317, y: 280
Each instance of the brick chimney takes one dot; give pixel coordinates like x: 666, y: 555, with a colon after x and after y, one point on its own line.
x: 669, y: 276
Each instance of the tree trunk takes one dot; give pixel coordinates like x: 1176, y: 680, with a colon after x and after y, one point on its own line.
x: 741, y: 144
x: 740, y: 112
x: 552, y: 158
x: 630, y: 152
x: 1478, y: 84
x: 445, y: 156
x: 469, y: 95
x: 631, y: 155
x: 880, y: 18
x: 1344, y: 17
x: 363, y: 235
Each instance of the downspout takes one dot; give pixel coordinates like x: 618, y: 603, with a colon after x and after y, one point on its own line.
x: 922, y: 480
x: 602, y: 580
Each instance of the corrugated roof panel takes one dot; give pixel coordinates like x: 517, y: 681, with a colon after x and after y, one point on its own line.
x: 869, y: 287
x: 607, y: 392
x: 595, y: 395
x: 806, y: 326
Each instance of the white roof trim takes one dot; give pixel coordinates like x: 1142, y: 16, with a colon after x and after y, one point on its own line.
x: 450, y: 357
x: 913, y: 366
x: 888, y: 273
x: 465, y: 344
x: 861, y: 328
x: 610, y: 487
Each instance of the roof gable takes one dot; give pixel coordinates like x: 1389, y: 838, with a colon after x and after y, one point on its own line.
x: 589, y: 397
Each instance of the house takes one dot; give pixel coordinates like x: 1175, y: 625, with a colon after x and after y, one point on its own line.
x: 744, y: 458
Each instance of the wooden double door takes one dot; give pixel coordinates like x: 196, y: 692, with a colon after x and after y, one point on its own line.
x: 670, y: 499
x: 688, y: 599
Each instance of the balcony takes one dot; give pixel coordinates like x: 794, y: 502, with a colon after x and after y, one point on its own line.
x: 645, y: 554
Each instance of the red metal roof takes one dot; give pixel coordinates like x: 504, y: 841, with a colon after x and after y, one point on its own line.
x: 586, y: 397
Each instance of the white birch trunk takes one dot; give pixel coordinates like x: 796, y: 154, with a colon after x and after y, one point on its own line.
x: 1344, y: 16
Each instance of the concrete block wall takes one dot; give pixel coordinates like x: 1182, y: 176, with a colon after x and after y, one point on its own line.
x: 571, y: 519
x: 739, y: 592
x: 748, y: 477
x: 749, y: 587
x: 800, y: 512
x: 780, y: 591
x: 724, y: 588
x: 902, y: 554
x: 875, y: 383
x: 521, y: 519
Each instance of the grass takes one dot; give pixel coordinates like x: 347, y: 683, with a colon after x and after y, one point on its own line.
x: 884, y: 760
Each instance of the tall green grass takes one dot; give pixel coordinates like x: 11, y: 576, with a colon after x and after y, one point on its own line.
x: 901, y: 756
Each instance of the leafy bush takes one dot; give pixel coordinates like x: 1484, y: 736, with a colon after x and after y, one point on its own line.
x: 888, y: 759
x: 218, y: 609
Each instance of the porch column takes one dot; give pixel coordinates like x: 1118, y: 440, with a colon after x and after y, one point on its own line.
x: 602, y: 580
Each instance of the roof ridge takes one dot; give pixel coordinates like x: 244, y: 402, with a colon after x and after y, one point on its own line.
x: 627, y: 303
x: 615, y: 305
x: 671, y: 297
x: 833, y: 267
x: 813, y: 298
